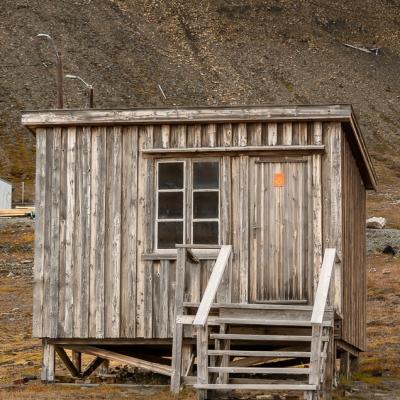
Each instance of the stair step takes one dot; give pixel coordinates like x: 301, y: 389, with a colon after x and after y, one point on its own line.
x: 250, y: 353
x: 254, y: 321
x: 265, y: 338
x: 260, y: 370
x: 255, y: 386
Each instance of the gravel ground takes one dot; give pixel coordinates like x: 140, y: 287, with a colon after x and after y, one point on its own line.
x: 377, y: 239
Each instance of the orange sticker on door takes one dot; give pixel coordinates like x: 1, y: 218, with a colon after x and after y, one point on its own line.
x: 279, y: 179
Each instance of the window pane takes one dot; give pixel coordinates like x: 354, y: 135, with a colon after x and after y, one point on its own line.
x: 205, y: 205
x: 170, y: 175
x: 206, y: 175
x: 169, y: 234
x: 205, y: 232
x: 170, y: 205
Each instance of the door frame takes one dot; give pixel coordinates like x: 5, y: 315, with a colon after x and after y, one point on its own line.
x: 312, y: 193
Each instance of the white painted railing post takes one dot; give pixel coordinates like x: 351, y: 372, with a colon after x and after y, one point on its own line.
x: 317, y: 317
x: 213, y: 285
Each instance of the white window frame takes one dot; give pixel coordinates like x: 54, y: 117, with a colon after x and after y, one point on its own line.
x: 157, y: 219
x: 188, y: 192
x: 218, y: 219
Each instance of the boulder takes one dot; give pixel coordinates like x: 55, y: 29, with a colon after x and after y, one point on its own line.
x: 376, y: 222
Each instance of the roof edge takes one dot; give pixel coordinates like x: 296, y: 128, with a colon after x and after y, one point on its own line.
x: 153, y: 115
x: 372, y: 183
x: 35, y: 119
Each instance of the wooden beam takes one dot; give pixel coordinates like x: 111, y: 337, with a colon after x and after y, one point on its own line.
x: 97, y: 362
x: 312, y: 148
x: 186, y: 114
x: 113, y: 356
x: 67, y: 362
x: 77, y: 360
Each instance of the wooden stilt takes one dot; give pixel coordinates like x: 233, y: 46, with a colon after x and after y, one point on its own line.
x: 104, y: 368
x: 354, y: 363
x: 187, y: 351
x: 345, y: 365
x: 48, y: 363
x: 77, y: 360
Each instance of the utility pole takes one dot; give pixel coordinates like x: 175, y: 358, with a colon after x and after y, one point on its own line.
x: 59, y: 71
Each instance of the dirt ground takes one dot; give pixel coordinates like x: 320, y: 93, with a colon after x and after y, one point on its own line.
x: 378, y: 378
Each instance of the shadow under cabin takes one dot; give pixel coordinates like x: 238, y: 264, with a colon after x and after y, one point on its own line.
x: 221, y: 247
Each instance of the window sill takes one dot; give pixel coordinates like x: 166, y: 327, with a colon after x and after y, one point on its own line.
x: 172, y: 255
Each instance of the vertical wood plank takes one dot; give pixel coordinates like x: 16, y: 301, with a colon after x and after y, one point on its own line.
x: 197, y: 135
x: 70, y: 231
x: 37, y: 321
x: 212, y: 132
x: 129, y: 229
x: 256, y: 134
x: 242, y: 134
x: 47, y: 243
x: 113, y: 233
x: 225, y: 220
x: 97, y: 233
x: 145, y: 236
x: 78, y: 232
x: 317, y: 217
x: 235, y: 227
x: 244, y: 228
x: 317, y: 133
x: 226, y: 135
x: 287, y: 133
x: 272, y: 133
x: 63, y: 217
x: 181, y: 135
x: 165, y: 132
x: 86, y: 237
x: 302, y: 133
x: 55, y: 233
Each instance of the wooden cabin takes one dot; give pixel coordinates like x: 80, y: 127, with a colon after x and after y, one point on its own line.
x: 223, y: 247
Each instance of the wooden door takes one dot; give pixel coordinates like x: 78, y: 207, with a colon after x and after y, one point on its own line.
x: 280, y: 229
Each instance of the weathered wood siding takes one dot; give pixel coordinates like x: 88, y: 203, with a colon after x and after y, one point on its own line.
x: 353, y: 261
x: 95, y: 274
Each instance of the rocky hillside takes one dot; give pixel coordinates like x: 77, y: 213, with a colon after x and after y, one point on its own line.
x: 204, y: 52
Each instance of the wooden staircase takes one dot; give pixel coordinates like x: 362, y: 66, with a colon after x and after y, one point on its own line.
x: 248, y: 354
x: 275, y: 348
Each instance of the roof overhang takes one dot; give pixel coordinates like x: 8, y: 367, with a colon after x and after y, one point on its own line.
x: 341, y: 112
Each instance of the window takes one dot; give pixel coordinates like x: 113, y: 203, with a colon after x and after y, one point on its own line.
x: 170, y: 204
x: 205, y: 215
x: 173, y: 214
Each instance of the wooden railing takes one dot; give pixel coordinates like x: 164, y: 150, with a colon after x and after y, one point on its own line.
x: 186, y: 254
x: 317, y: 317
x: 213, y: 284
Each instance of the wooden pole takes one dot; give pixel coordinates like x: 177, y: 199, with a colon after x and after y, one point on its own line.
x: 91, y: 97
x: 60, y: 81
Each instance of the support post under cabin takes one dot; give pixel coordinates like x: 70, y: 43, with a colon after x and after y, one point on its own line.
x: 48, y: 363
x: 77, y: 360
